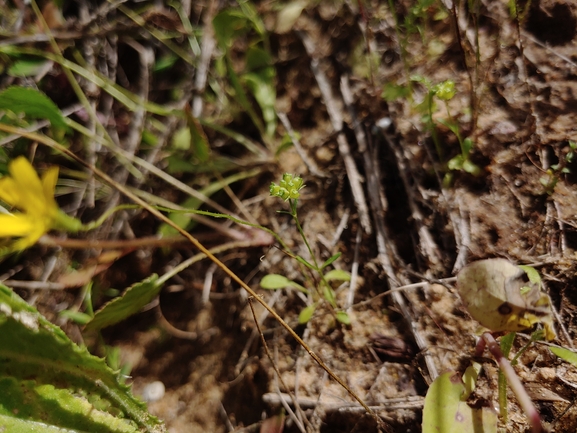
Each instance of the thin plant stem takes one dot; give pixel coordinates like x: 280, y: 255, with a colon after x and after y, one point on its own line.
x: 513, y: 380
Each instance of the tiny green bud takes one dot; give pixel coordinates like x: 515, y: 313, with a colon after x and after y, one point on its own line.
x: 445, y: 90
x: 274, y: 189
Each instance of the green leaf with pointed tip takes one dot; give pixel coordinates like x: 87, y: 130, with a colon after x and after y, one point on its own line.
x: 565, y: 354
x: 330, y: 260
x: 276, y: 281
x: 446, y: 412
x: 49, y: 384
x: 32, y: 103
x: 126, y: 305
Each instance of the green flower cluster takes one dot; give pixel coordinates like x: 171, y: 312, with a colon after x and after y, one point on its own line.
x: 289, y: 187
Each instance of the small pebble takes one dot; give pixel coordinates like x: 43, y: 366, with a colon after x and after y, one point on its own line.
x: 154, y: 391
x: 547, y: 373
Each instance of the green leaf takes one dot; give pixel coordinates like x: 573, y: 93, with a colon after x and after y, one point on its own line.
x: 32, y: 103
x: 27, y: 67
x: 76, y: 316
x: 344, y: 318
x: 228, y: 25
x: 181, y: 139
x: 446, y: 412
x: 261, y: 82
x: 470, y: 378
x: 456, y: 163
x: 306, y: 314
x: 532, y: 274
x: 471, y: 168
x: 338, y: 275
x: 565, y: 354
x: 393, y: 91
x: 276, y: 281
x: 49, y: 384
x: 130, y: 303
x: 330, y: 260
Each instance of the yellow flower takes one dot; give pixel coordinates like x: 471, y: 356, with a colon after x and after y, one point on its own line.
x: 34, y: 197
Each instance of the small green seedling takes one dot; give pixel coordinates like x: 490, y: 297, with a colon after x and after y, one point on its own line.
x: 556, y: 171
x: 445, y: 91
x: 289, y: 190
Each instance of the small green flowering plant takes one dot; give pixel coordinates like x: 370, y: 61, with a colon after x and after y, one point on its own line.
x: 445, y: 91
x: 288, y: 189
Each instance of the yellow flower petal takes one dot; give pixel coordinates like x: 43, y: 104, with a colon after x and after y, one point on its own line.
x: 30, y: 190
x: 15, y: 225
x: 9, y: 191
x: 49, y: 179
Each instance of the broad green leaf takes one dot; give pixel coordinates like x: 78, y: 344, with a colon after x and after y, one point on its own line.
x: 565, y: 354
x: 338, y: 275
x: 446, y: 412
x: 306, y: 314
x: 128, y: 304
x: 330, y: 260
x: 49, y: 384
x: 32, y: 103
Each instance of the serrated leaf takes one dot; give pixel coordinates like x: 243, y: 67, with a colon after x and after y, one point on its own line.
x: 32, y: 103
x: 49, y: 384
x: 128, y: 304
x: 446, y: 412
x: 330, y: 260
x: 565, y: 354
x: 306, y: 314
x: 338, y: 275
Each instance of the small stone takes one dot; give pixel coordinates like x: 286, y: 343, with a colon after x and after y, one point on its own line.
x: 547, y: 373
